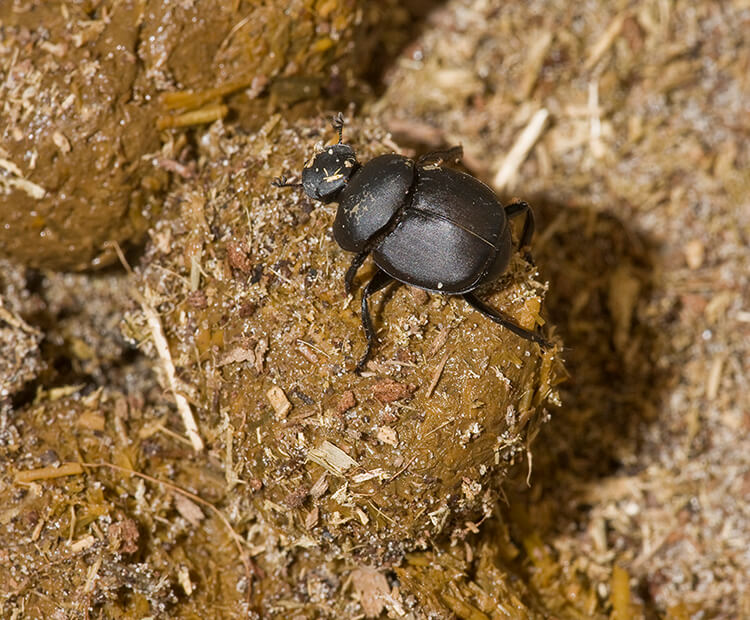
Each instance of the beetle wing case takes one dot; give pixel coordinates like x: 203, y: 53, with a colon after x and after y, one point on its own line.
x: 450, y: 238
x: 461, y: 199
x: 370, y: 199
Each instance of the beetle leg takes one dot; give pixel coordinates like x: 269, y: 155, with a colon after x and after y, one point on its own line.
x: 500, y: 319
x: 454, y: 153
x: 337, y: 122
x: 380, y: 280
x: 352, y: 271
x: 518, y: 208
x: 282, y: 182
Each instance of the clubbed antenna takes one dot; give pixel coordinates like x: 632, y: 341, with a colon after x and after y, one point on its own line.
x: 337, y: 122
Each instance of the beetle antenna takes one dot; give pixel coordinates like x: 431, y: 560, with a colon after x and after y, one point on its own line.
x: 337, y: 122
x: 282, y: 182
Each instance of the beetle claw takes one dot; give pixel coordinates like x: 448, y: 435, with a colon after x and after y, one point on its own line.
x: 283, y: 182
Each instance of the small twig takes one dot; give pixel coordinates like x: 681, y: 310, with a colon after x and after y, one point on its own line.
x: 530, y: 458
x: 16, y: 179
x: 606, y: 40
x: 437, y: 428
x: 206, y: 114
x: 438, y: 374
x: 16, y: 321
x: 533, y: 65
x: 162, y: 349
x: 312, y: 346
x: 172, y: 434
x: 402, y: 470
x: 380, y: 512
x: 280, y: 276
x: 48, y: 473
x: 240, y: 24
x: 399, y: 364
x: 172, y: 165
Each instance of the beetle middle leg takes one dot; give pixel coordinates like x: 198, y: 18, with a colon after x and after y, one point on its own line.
x: 455, y: 153
x: 352, y: 271
x: 500, y: 319
x: 379, y: 281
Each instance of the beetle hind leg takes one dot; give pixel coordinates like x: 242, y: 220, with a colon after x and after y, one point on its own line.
x: 379, y: 281
x: 500, y: 319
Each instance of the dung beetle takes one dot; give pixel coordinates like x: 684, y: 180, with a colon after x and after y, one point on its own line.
x: 435, y: 228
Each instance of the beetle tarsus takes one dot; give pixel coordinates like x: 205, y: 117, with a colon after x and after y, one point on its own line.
x: 498, y: 318
x: 379, y: 281
x: 282, y: 182
x: 455, y: 154
x: 352, y: 271
x: 337, y: 122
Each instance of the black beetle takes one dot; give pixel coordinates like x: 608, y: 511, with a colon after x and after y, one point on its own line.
x: 431, y: 227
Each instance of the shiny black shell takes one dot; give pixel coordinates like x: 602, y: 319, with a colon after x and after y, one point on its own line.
x: 371, y: 199
x: 452, y: 236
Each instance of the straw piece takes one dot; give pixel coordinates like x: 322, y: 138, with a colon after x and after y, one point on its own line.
x: 518, y: 153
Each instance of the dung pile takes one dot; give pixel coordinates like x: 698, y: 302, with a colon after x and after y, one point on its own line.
x: 85, y: 88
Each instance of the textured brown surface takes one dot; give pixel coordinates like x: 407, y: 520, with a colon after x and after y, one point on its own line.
x: 76, y: 128
x: 265, y: 356
x: 82, y: 161
x: 639, y: 482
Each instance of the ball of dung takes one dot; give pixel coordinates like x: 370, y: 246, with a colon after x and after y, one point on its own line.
x: 370, y: 465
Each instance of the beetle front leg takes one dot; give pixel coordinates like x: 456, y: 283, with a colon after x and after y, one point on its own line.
x: 282, y: 182
x: 352, y: 271
x: 500, y: 319
x: 379, y: 281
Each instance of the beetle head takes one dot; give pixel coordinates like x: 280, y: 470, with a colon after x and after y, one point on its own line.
x: 328, y: 171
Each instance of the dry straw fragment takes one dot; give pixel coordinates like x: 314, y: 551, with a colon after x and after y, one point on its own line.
x: 162, y: 348
x: 47, y: 473
x: 606, y: 40
x: 332, y: 458
x: 520, y: 149
x: 279, y: 401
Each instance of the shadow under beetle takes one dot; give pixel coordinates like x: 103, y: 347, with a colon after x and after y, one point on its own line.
x: 431, y: 227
